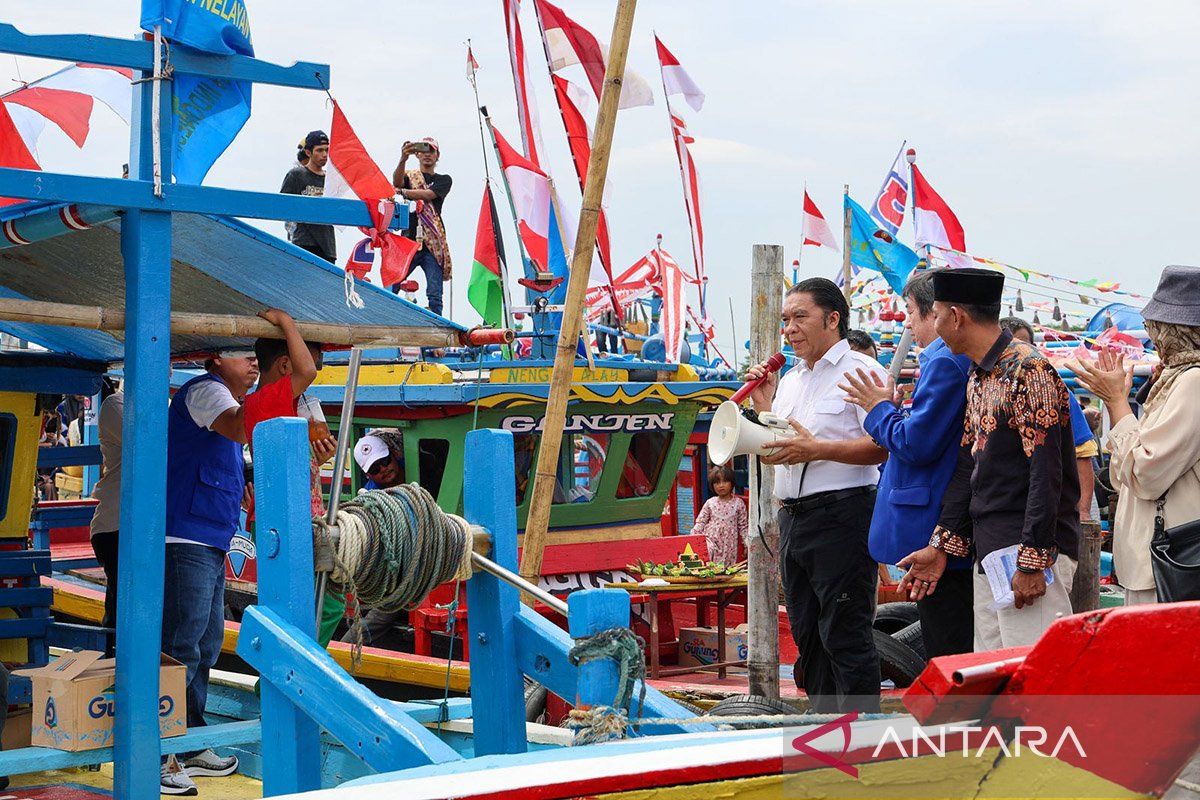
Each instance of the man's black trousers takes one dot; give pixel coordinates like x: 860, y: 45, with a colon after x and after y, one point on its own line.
x: 948, y: 615
x: 829, y: 585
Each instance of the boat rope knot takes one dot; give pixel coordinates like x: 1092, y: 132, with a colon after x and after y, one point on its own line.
x: 603, y: 723
x: 395, y: 546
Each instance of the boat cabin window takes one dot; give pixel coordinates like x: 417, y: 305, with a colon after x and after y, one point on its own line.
x: 431, y: 463
x: 643, y: 463
x: 8, y: 451
x: 580, y: 479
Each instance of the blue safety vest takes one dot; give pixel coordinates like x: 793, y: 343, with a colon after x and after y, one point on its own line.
x: 204, y: 477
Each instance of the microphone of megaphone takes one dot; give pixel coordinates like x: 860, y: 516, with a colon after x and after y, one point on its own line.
x: 773, y: 364
x: 732, y: 434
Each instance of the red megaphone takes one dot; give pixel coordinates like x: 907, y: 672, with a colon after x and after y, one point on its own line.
x: 774, y: 364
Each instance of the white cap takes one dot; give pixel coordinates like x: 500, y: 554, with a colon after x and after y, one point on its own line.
x: 369, y: 450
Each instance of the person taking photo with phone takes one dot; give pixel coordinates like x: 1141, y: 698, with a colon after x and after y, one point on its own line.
x: 429, y: 188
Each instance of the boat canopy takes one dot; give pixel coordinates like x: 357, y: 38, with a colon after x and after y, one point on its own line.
x: 220, y: 265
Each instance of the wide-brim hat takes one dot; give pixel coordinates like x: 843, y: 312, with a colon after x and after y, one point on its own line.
x: 1176, y: 301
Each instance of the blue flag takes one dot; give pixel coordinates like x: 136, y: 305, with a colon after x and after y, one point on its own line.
x: 209, y: 112
x: 871, y: 247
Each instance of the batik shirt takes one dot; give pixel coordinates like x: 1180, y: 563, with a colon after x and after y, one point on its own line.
x: 1016, y: 480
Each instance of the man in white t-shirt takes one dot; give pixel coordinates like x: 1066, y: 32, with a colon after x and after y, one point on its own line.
x: 825, y: 476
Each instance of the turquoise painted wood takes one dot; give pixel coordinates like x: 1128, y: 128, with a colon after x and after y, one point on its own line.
x: 146, y: 250
x: 308, y: 678
x: 497, y: 688
x: 594, y: 611
x: 291, y: 740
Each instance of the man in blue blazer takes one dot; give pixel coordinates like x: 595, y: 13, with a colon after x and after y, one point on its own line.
x: 922, y: 446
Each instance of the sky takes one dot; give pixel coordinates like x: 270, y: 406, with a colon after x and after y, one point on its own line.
x: 1063, y: 133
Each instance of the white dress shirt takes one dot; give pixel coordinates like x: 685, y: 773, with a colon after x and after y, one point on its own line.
x: 812, y: 398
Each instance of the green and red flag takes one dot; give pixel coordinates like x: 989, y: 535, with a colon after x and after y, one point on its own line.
x: 485, y: 291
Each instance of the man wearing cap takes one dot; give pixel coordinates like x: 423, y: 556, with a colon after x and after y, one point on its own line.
x: 429, y: 189
x: 308, y: 178
x: 377, y: 461
x: 1016, y: 482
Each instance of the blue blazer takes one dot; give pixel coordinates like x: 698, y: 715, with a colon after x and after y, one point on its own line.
x: 922, y: 447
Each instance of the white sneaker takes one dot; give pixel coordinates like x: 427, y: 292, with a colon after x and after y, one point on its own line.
x: 175, y: 780
x: 207, y: 764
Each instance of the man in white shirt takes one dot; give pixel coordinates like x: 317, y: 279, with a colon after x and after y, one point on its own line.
x: 825, y: 478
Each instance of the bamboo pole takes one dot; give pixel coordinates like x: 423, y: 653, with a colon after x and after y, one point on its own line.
x: 766, y: 291
x: 845, y: 242
x: 241, y: 327
x: 545, y: 475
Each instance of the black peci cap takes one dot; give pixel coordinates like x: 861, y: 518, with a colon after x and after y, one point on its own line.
x: 968, y: 286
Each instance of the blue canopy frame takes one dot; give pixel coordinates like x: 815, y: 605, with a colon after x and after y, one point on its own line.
x: 146, y: 246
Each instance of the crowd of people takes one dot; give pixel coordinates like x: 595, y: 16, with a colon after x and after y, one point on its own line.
x: 989, y: 468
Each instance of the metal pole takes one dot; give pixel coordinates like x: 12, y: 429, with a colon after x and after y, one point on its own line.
x: 766, y: 290
x: 733, y: 330
x: 345, y: 426
x: 845, y: 242
x: 489, y: 566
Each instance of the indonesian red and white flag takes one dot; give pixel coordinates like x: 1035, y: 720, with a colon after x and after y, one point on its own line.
x: 472, y: 66
x: 933, y: 220
x: 673, y: 318
x: 691, y: 189
x: 814, y: 228
x: 350, y: 171
x: 530, y: 191
x: 568, y: 43
x: 531, y: 131
x: 66, y: 99
x: 675, y: 77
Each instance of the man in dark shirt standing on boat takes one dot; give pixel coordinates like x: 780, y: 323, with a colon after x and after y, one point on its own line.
x: 429, y: 189
x: 1015, y: 485
x: 308, y: 179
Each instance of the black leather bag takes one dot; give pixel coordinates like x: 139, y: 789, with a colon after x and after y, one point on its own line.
x: 1175, y: 558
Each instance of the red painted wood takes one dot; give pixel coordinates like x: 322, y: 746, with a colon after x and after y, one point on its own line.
x: 560, y: 559
x: 934, y: 699
x: 1127, y: 682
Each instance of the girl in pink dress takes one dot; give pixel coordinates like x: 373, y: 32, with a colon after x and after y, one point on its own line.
x: 723, y: 520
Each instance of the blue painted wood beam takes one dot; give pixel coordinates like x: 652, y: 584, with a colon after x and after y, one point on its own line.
x: 146, y: 252
x: 79, y: 455
x: 42, y: 759
x: 184, y: 198
x: 292, y: 740
x: 489, y: 486
x: 374, y: 730
x: 138, y: 54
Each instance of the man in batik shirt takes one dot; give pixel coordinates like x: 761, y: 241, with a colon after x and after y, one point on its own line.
x: 1016, y: 482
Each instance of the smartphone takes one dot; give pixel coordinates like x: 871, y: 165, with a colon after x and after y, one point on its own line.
x: 422, y: 147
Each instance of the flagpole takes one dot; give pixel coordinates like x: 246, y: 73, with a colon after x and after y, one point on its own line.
x: 845, y: 243
x: 701, y: 286
x: 900, y: 354
x: 526, y: 261
x: 505, y: 299
x: 537, y: 12
x: 733, y: 330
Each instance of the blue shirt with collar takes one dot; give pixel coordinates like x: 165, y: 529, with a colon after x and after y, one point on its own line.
x: 922, y: 445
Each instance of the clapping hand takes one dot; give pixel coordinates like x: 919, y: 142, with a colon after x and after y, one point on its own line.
x: 1109, y: 378
x: 867, y: 389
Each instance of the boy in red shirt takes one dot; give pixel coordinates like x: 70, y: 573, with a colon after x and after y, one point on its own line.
x: 287, y: 368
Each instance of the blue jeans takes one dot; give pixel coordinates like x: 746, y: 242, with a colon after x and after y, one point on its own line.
x: 194, y: 617
x: 433, y: 278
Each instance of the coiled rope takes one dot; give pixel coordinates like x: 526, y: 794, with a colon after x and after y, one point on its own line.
x: 605, y: 723
x: 394, y: 547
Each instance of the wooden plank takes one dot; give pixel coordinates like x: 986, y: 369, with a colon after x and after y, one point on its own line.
x: 44, y: 759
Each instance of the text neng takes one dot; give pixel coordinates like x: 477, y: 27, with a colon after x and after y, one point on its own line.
x: 595, y: 423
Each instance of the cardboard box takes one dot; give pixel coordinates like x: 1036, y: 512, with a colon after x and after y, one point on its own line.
x: 698, y: 646
x: 16, y: 730
x: 74, y: 698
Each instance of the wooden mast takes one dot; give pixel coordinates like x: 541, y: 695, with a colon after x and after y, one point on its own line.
x: 545, y: 475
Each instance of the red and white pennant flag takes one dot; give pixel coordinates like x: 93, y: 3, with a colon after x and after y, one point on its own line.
x: 813, y: 226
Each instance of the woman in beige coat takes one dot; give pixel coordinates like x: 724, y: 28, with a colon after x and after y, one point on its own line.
x: 1157, y: 454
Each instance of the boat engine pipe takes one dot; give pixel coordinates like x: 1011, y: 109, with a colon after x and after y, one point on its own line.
x: 477, y: 337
